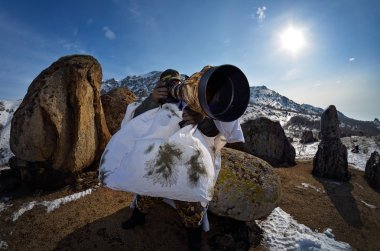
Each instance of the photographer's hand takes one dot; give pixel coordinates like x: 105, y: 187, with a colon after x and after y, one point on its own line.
x: 190, y: 117
x: 160, y: 92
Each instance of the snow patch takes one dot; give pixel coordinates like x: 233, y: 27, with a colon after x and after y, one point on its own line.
x: 282, y: 232
x: 368, y: 205
x: 306, y: 185
x: 3, y: 245
x: 305, y: 151
x: 367, y: 145
x: 51, y: 205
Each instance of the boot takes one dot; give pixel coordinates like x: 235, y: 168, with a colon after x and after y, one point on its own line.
x: 194, y: 236
x: 137, y: 218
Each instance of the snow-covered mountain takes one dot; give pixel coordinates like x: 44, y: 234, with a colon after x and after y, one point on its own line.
x: 7, y: 108
x: 261, y: 95
x: 140, y: 85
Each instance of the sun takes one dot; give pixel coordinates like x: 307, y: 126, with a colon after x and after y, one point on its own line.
x: 292, y: 39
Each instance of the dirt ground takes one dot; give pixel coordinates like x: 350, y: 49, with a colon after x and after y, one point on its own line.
x: 93, y: 222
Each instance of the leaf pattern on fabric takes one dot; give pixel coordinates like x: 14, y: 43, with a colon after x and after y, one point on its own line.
x: 163, y: 169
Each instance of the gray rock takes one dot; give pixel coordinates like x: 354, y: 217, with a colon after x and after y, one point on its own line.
x: 330, y: 161
x: 330, y: 124
x: 372, y: 170
x: 307, y: 137
x: 247, y: 187
x: 266, y: 139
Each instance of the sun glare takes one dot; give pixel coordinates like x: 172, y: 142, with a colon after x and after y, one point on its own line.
x: 292, y: 39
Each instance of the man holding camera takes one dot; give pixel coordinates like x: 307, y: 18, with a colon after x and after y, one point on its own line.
x: 191, y: 213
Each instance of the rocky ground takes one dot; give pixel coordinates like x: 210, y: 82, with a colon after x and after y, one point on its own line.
x: 93, y: 222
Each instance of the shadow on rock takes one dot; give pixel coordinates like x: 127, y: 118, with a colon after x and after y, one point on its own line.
x: 163, y: 230
x: 341, y: 196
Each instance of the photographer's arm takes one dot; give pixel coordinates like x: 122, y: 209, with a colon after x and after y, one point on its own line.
x: 208, y: 128
x: 205, y: 124
x: 148, y: 104
x: 160, y: 92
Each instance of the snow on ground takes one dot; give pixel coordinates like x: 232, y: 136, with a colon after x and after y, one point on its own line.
x: 306, y: 186
x: 368, y: 205
x: 305, y: 151
x: 282, y: 232
x: 51, y: 205
x: 367, y: 145
x: 3, y: 245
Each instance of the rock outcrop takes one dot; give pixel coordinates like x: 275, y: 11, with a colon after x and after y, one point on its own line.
x: 247, y: 187
x: 372, y: 170
x: 330, y: 160
x: 266, y: 139
x: 60, y: 128
x: 307, y: 137
x: 115, y: 104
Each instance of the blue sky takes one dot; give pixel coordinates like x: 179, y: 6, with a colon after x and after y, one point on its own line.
x: 338, y: 62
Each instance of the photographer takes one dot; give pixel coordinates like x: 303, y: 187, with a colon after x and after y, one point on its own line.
x: 191, y: 213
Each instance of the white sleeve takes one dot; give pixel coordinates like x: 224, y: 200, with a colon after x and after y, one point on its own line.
x: 231, y: 130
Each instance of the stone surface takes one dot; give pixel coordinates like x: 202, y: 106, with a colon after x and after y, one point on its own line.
x: 307, y: 137
x: 247, y: 187
x: 330, y: 161
x: 330, y: 124
x: 372, y: 170
x: 115, y: 104
x: 266, y: 139
x: 60, y: 125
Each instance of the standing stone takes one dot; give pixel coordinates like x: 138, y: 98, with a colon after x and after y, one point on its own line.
x: 372, y: 170
x: 59, y: 129
x: 115, y: 105
x: 307, y: 137
x: 330, y: 124
x: 330, y: 160
x: 266, y: 139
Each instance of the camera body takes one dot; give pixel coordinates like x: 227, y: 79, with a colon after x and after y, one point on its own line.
x: 169, y: 84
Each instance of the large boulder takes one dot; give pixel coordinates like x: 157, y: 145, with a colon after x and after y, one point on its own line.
x: 247, y: 187
x: 372, y: 170
x: 59, y: 129
x: 307, y: 137
x: 115, y: 104
x: 330, y: 161
x: 266, y: 139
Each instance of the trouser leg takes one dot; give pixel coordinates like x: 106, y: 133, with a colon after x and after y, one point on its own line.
x: 191, y: 213
x: 145, y: 203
